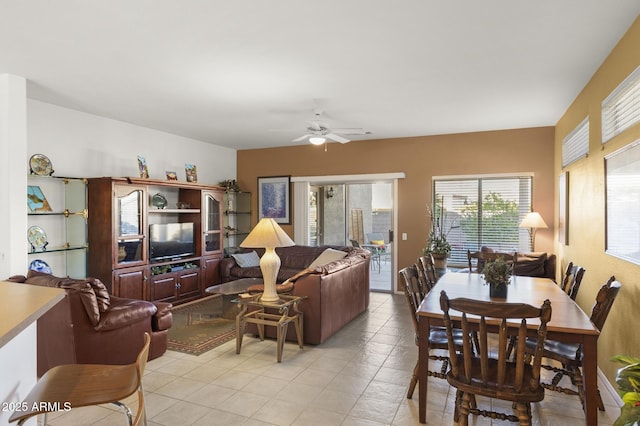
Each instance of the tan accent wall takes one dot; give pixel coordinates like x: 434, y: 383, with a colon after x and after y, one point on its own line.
x: 420, y: 158
x: 587, y: 206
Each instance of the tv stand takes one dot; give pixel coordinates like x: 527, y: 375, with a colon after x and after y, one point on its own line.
x: 118, y: 233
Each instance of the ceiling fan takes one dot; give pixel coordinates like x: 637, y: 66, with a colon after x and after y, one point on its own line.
x: 318, y: 132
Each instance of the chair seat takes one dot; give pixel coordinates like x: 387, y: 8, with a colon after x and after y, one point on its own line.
x: 75, y: 385
x: 559, y: 351
x: 438, y: 337
x: 507, y: 392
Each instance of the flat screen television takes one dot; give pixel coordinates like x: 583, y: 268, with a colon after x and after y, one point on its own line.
x: 171, y: 241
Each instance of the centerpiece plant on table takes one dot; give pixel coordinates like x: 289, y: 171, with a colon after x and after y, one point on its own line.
x: 628, y: 380
x: 497, y: 274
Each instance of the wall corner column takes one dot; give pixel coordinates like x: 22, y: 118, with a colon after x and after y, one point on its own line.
x: 13, y: 176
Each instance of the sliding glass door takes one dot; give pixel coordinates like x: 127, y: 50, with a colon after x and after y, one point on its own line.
x: 355, y: 214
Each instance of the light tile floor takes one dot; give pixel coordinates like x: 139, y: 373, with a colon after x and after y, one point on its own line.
x: 357, y: 377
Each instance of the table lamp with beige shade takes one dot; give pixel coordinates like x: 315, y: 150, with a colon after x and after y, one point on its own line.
x: 533, y: 221
x: 268, y: 234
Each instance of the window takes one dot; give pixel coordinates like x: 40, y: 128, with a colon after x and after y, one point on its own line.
x: 621, y: 109
x: 576, y: 144
x: 623, y: 203
x: 483, y: 211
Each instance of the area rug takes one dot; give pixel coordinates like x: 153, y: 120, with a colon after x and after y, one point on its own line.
x: 198, y: 327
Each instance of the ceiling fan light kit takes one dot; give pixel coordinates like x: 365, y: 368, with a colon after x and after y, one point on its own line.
x: 317, y: 140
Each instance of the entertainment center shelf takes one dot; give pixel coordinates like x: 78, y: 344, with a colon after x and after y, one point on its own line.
x: 140, y: 248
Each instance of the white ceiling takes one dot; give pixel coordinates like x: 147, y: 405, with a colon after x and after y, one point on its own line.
x: 248, y: 74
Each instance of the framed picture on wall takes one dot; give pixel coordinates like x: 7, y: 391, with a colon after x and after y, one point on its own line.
x: 622, y: 236
x: 563, y: 208
x: 274, y: 198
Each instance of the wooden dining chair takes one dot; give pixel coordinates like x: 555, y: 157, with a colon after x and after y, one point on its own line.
x: 486, y: 375
x: 426, y: 265
x: 477, y: 259
x: 576, y: 280
x: 414, y: 293
x: 569, y: 355
x: 81, y: 385
x: 566, y: 277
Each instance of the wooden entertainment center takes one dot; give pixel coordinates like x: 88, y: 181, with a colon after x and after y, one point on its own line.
x: 121, y: 211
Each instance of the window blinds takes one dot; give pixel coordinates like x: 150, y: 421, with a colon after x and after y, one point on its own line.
x: 576, y: 144
x: 621, y: 109
x: 483, y: 212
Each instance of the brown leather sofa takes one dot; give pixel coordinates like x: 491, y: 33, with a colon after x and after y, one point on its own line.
x: 89, y: 326
x: 336, y: 292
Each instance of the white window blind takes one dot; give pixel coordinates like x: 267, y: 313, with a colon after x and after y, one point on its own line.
x: 576, y: 144
x: 621, y: 109
x: 483, y: 212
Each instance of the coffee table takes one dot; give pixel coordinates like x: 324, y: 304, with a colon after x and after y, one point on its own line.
x: 230, y: 291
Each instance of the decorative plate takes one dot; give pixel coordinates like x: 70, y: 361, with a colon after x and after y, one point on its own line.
x: 37, y: 237
x: 40, y: 266
x: 40, y: 165
x: 159, y: 201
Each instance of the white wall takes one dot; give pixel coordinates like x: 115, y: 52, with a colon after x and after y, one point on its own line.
x: 13, y: 180
x: 85, y: 145
x: 17, y: 357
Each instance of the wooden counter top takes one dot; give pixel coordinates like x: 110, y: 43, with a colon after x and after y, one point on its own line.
x: 21, y: 305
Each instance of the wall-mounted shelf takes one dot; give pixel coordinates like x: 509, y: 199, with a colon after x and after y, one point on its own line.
x: 58, y: 205
x: 237, y: 219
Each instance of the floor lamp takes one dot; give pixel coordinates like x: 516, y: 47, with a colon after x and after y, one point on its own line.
x: 533, y: 221
x: 268, y: 235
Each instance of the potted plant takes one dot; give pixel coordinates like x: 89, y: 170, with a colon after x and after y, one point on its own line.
x: 498, y: 275
x: 628, y: 380
x: 437, y: 244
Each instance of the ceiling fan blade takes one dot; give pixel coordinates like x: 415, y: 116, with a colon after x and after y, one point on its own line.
x: 301, y: 138
x: 337, y: 138
x: 351, y: 131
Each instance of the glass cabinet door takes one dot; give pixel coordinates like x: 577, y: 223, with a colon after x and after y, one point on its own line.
x: 130, y: 225
x: 212, y: 222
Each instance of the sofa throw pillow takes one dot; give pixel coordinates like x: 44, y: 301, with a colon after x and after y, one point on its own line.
x: 247, y: 260
x: 327, y: 256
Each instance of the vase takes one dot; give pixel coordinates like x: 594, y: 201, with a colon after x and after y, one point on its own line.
x: 440, y: 261
x: 498, y: 291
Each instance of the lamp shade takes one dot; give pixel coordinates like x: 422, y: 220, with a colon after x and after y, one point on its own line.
x: 267, y: 233
x: 533, y: 220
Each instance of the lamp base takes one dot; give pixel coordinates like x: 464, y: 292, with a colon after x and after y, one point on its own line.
x: 269, y: 265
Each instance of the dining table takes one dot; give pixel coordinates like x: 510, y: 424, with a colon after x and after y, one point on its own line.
x: 568, y: 323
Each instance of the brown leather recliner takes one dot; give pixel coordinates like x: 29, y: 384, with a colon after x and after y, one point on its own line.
x: 89, y: 326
